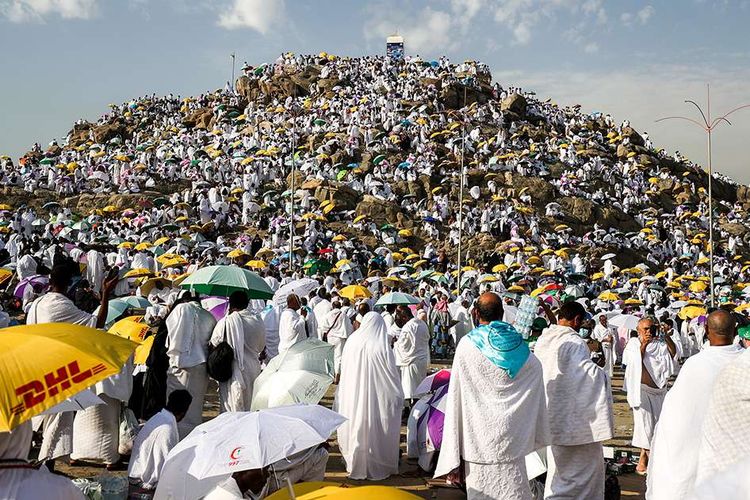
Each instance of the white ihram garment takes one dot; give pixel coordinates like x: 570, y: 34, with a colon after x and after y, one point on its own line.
x: 673, y: 461
x: 579, y: 406
x: 725, y: 436
x: 246, y: 334
x: 189, y: 329
x: 371, y: 399
x: 412, y: 351
x: 646, y: 401
x: 151, y: 447
x: 336, y: 328
x: 291, y: 329
x: 492, y: 421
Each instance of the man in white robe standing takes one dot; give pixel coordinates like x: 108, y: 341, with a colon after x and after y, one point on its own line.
x: 579, y: 408
x: 189, y: 329
x: 412, y: 350
x: 336, y: 328
x: 725, y: 439
x: 673, y: 464
x: 496, y: 411
x: 246, y: 335
x: 606, y: 336
x: 291, y: 324
x: 649, y: 361
x: 371, y: 399
x: 153, y: 443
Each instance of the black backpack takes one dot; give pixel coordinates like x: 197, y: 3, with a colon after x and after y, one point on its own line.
x: 219, y: 362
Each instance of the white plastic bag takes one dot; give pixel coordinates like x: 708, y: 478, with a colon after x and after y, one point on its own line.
x: 128, y: 431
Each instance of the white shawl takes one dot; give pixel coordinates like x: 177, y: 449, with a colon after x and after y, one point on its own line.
x: 579, y: 399
x: 659, y: 363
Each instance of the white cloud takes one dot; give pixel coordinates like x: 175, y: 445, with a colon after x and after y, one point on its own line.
x: 643, y: 94
x: 22, y: 11
x: 428, y: 31
x: 591, y: 48
x: 260, y: 15
x: 645, y: 14
x: 641, y: 17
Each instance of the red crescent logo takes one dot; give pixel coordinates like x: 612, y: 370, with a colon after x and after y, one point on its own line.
x: 235, y: 453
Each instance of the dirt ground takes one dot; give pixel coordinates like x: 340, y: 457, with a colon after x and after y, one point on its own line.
x: 411, y: 478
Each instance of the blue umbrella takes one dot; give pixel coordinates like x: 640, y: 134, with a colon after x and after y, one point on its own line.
x: 122, y: 304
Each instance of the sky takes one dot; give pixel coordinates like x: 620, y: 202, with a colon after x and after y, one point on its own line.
x: 61, y: 60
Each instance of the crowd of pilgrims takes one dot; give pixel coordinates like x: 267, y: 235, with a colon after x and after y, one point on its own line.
x: 509, y: 395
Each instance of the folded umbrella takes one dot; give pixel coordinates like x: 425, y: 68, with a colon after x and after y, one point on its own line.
x: 300, y: 375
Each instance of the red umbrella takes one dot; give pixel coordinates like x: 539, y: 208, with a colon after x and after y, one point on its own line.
x: 324, y: 251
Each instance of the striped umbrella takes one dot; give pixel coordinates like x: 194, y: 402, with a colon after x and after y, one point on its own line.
x: 217, y: 306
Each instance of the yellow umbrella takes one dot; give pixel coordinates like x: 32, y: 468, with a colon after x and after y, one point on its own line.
x: 359, y: 218
x: 236, y: 253
x: 328, y: 208
x: 5, y: 275
x: 489, y: 279
x: 420, y: 263
x: 126, y: 244
x: 5, y: 206
x: 633, y: 302
x: 326, y: 491
x: 608, y: 296
x: 143, y: 246
x: 392, y: 281
x: 516, y: 289
x: 697, y: 286
x: 138, y: 273
x: 131, y: 328
x: 355, y: 292
x: 256, y: 264
x: 406, y: 233
x: 339, y: 237
x: 691, y: 311
x: 411, y: 257
x: 161, y: 241
x: 397, y: 256
x: 109, y: 209
x: 174, y: 262
x: 143, y: 350
x: 264, y: 252
x: 533, y: 260
x: 500, y: 268
x: 43, y: 365
x: 149, y: 284
x: 597, y: 276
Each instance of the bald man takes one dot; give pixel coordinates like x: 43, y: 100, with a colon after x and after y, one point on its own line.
x: 496, y: 410
x: 673, y: 462
x: 649, y: 361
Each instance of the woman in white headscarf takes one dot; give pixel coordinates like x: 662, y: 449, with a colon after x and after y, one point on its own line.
x: 370, y: 397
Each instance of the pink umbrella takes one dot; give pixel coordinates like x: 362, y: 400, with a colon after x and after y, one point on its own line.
x: 37, y: 282
x: 217, y: 306
x: 434, y: 381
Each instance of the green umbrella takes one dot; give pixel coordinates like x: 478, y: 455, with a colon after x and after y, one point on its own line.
x: 222, y: 281
x: 170, y: 227
x: 160, y: 201
x: 47, y: 161
x: 320, y: 122
x: 318, y: 266
x: 378, y: 159
x: 82, y: 225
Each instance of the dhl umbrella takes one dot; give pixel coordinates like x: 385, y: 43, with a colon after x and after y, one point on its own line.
x: 43, y: 365
x: 131, y: 328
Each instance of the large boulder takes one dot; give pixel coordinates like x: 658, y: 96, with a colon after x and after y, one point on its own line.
x: 541, y: 191
x: 734, y: 229
x: 582, y: 214
x: 200, y: 118
x: 110, y: 130
x: 633, y: 136
x: 515, y: 103
x: 379, y: 211
x: 344, y: 197
x: 79, y: 134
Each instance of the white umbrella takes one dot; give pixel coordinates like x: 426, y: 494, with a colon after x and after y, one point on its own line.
x: 300, y: 375
x: 301, y: 288
x: 237, y: 441
x: 608, y: 256
x: 628, y: 321
x: 80, y: 401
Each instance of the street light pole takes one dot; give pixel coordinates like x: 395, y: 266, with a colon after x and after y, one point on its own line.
x: 232, y: 81
x: 461, y: 196
x: 708, y: 126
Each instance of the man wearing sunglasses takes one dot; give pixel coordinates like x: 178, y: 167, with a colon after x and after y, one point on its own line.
x: 649, y: 361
